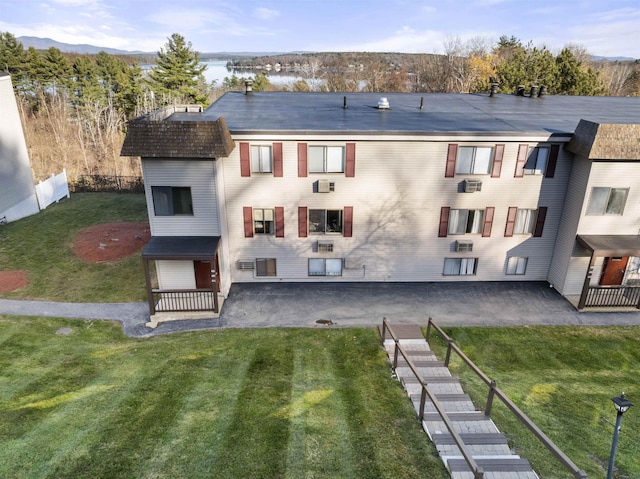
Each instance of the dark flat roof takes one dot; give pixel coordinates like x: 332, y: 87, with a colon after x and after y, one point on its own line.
x: 323, y: 113
x: 611, y: 245
x: 181, y: 247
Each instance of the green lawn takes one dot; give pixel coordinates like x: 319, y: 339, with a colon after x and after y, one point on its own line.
x: 273, y: 403
x: 563, y: 378
x: 41, y: 245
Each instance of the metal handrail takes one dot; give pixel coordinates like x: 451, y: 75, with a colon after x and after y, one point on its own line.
x: 478, y: 472
x: 495, y: 391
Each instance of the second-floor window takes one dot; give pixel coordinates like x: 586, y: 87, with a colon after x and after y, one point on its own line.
x: 537, y: 161
x: 474, y: 160
x: 261, y: 160
x: 172, y: 200
x: 263, y: 221
x: 525, y: 222
x: 325, y: 221
x: 465, y: 221
x: 326, y: 159
x: 607, y: 201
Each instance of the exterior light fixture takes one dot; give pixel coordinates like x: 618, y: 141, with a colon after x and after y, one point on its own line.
x: 622, y: 405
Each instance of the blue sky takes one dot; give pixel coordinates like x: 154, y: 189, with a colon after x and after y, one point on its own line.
x: 603, y: 27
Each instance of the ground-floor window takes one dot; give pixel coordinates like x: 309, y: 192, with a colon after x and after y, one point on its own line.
x: 460, y: 266
x: 516, y: 265
x: 325, y: 267
x: 266, y: 267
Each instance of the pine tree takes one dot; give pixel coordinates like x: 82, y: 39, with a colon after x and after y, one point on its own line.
x: 178, y: 74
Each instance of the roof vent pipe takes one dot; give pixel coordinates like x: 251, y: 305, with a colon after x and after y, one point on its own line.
x: 383, y: 104
x: 534, y: 91
x: 520, y: 90
x: 543, y: 90
x: 494, y: 90
x: 344, y: 103
x: 248, y: 87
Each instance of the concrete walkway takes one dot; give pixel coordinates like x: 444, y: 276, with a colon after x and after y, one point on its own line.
x: 265, y: 305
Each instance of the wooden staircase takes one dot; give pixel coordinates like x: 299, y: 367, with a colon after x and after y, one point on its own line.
x: 488, y: 447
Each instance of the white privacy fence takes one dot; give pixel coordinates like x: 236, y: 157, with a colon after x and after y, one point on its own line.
x: 52, y: 190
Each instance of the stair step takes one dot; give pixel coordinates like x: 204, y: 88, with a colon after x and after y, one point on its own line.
x: 457, y: 416
x: 444, y: 397
x: 492, y: 465
x: 421, y: 363
x: 470, y: 438
x: 431, y: 379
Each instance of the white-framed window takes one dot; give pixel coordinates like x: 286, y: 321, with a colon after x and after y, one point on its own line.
x: 325, y: 221
x: 525, y: 222
x: 263, y: 221
x: 607, y: 201
x: 460, y: 266
x: 266, y: 267
x: 474, y: 160
x: 325, y: 266
x: 465, y: 221
x: 516, y: 265
x: 172, y: 200
x: 537, y: 160
x: 261, y: 159
x: 326, y: 159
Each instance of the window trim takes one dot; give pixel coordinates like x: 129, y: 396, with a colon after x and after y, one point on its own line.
x: 473, y: 159
x: 461, y: 261
x: 478, y: 223
x: 536, y: 170
x: 325, y: 159
x: 272, y: 230
x: 253, y: 161
x: 326, y: 221
x: 529, y: 225
x: 324, y: 268
x: 270, y: 265
x: 607, y: 203
x: 169, y: 192
x: 512, y: 270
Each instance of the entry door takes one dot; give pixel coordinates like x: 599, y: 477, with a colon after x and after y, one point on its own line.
x: 203, y: 274
x: 613, y: 270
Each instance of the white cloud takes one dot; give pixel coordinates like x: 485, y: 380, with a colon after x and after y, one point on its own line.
x: 404, y: 40
x: 266, y: 13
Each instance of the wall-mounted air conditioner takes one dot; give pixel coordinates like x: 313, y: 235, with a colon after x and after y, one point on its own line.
x: 326, y: 186
x: 245, y: 265
x: 325, y: 246
x: 464, y: 246
x: 471, y: 186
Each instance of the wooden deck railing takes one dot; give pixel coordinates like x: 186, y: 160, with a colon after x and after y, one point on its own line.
x: 494, y: 391
x: 478, y: 473
x: 612, y: 296
x: 165, y: 300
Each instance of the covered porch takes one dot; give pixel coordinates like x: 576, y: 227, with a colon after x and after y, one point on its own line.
x: 616, y: 284
x: 202, y: 278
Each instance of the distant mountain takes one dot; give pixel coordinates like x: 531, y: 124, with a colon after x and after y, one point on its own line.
x: 612, y: 59
x: 46, y: 43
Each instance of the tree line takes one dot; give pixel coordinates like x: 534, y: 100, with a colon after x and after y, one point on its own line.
x: 75, y: 107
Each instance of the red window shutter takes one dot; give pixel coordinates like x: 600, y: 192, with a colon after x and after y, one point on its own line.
x: 347, y: 218
x: 302, y: 222
x: 511, y: 221
x: 523, y: 152
x: 248, y: 221
x: 540, y: 217
x: 245, y: 160
x: 452, y: 155
x: 302, y: 160
x: 350, y: 161
x: 277, y: 159
x: 279, y: 222
x: 497, y: 161
x: 551, y: 163
x: 488, y: 221
x: 444, y: 222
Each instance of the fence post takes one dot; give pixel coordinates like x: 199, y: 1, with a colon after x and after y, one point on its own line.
x: 423, y: 399
x: 395, y: 355
x: 492, y: 392
x: 449, y: 348
x: 428, y: 329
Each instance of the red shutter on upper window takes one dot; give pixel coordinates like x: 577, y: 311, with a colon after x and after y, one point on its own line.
x: 488, y: 221
x: 245, y: 160
x: 551, y: 163
x: 540, y: 217
x: 444, y: 222
x: 497, y: 161
x: 277, y: 159
x: 302, y: 160
x: 347, y: 218
x: 511, y: 221
x: 452, y: 154
x: 279, y: 221
x: 302, y: 221
x: 248, y: 221
x: 350, y: 161
x: 523, y: 152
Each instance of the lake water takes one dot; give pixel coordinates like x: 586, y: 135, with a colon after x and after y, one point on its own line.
x: 217, y: 71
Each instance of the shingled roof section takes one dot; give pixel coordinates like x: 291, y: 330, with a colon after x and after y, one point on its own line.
x: 178, y: 139
x: 598, y: 141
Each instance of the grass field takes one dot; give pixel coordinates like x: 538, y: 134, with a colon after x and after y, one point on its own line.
x: 41, y: 245
x: 285, y: 403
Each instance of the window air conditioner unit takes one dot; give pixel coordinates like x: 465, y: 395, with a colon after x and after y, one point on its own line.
x: 464, y: 246
x: 471, y: 186
x: 325, y: 186
x: 325, y: 246
x: 245, y: 265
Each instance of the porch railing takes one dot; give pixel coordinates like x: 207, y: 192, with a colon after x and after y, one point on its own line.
x: 613, y: 296
x: 165, y: 301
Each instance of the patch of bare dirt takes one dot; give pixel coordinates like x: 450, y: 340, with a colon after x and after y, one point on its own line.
x: 111, y: 242
x: 11, y: 280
